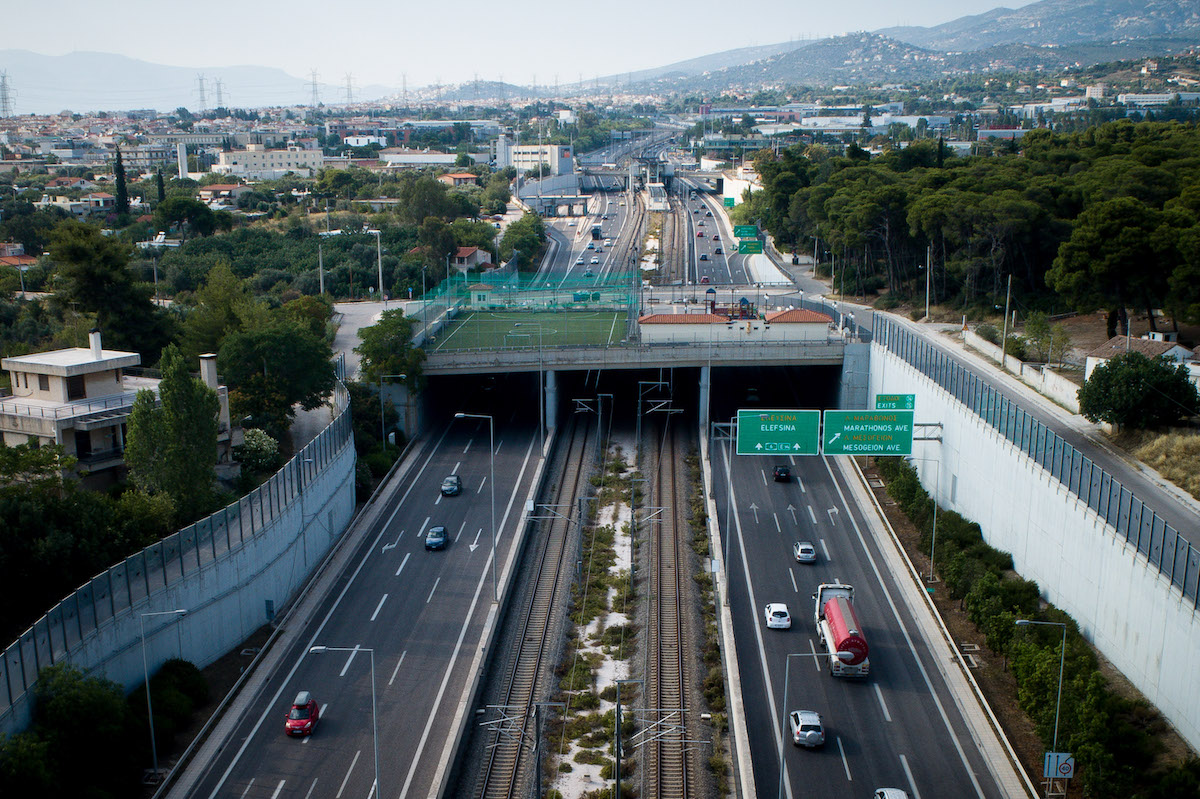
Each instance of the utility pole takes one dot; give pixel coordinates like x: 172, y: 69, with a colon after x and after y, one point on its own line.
x: 200, y: 90
x: 220, y: 93
x: 1004, y: 336
x: 316, y: 98
x: 349, y: 89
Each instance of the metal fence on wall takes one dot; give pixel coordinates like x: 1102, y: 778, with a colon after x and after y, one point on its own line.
x: 1160, y: 543
x: 127, y: 585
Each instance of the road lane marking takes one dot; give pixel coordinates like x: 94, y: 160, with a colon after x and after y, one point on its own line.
x: 845, y: 762
x: 825, y: 549
x: 482, y: 483
x: 378, y: 607
x: 883, y: 705
x: 763, y: 472
x: 498, y: 446
x: 456, y: 465
x: 467, y: 448
x: 803, y: 490
x: 396, y: 670
x: 279, y: 787
x: 792, y: 574
x: 908, y: 773
x: 816, y: 659
x: 349, y: 660
x: 311, y: 789
x: 248, y: 787
x: 812, y: 515
x: 308, y: 737
x: 407, y: 555
x: 349, y: 771
x: 394, y: 544
x: 460, y: 531
x: 431, y: 590
x: 778, y: 529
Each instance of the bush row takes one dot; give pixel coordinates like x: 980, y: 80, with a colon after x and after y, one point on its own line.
x: 1115, y: 740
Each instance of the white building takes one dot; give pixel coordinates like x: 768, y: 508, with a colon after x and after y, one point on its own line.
x: 256, y: 162
x: 525, y: 157
x: 81, y: 397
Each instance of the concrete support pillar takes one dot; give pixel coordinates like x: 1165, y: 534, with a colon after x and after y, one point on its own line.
x: 551, y: 399
x: 705, y: 396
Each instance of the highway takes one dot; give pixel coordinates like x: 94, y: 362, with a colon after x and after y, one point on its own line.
x: 899, y: 727
x: 422, y: 613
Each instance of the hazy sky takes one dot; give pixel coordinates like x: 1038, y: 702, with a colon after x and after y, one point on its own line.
x: 450, y: 41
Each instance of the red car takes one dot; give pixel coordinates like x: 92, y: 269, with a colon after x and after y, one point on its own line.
x: 303, y: 717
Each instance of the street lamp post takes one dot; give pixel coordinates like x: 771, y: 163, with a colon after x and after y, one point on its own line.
x: 541, y: 381
x: 146, y: 674
x: 379, y: 261
x: 936, y: 480
x: 316, y: 650
x: 382, y: 426
x: 1062, y: 652
x: 492, y: 455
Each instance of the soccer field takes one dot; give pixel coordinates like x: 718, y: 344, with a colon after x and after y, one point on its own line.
x: 522, y: 330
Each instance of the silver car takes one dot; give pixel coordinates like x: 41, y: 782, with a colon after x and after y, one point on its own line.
x: 807, y: 729
x: 804, y: 552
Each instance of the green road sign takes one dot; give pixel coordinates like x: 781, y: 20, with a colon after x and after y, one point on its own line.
x: 895, y: 402
x: 777, y: 433
x: 868, y: 433
x: 749, y: 247
x: 745, y: 231
x: 728, y: 202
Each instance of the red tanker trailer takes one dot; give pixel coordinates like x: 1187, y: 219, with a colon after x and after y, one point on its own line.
x: 839, y: 631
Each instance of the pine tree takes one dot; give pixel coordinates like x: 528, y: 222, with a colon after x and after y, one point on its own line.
x: 162, y: 189
x: 122, y: 189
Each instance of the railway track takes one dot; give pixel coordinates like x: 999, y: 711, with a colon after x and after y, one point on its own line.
x: 668, y: 772
x: 509, y: 764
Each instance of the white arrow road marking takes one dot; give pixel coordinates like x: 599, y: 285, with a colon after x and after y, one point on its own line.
x: 832, y: 513
x: 792, y: 510
x: 471, y: 546
x: 754, y: 508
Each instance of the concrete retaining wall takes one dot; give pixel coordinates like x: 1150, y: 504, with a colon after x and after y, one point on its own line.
x: 1124, y: 604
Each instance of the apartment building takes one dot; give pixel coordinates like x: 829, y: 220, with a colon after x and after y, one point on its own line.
x: 256, y: 162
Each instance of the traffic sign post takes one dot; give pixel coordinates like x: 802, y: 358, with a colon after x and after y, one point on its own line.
x: 745, y: 231
x: 895, y: 402
x: 868, y: 433
x: 750, y: 247
x: 778, y: 432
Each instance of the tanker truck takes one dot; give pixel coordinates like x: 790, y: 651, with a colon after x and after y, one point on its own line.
x: 839, y: 631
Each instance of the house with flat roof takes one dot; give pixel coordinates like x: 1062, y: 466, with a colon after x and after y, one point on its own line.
x: 81, y: 398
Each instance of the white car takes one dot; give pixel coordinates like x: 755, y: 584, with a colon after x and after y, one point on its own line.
x: 777, y: 616
x: 804, y: 552
x: 807, y: 728
x: 889, y: 793
x: 579, y: 261
x: 595, y: 260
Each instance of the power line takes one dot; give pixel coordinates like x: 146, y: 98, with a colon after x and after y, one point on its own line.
x: 200, y: 90
x: 220, y: 93
x: 316, y: 98
x: 349, y: 89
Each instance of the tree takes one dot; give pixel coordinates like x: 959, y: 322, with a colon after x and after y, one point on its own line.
x: 32, y: 465
x: 221, y: 304
x: 271, y: 368
x: 122, y: 189
x: 171, y: 448
x: 386, y: 349
x: 162, y: 189
x: 527, y: 235
x: 1137, y: 392
x: 198, y: 217
x: 1103, y: 264
x: 91, y: 759
x: 94, y: 275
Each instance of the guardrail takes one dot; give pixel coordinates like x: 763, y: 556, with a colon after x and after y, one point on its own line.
x: 118, y: 594
x: 1161, y: 544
